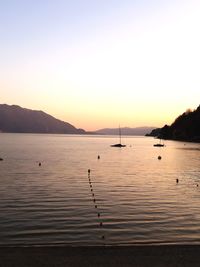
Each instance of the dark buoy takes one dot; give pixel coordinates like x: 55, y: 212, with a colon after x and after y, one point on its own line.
x: 177, y: 180
x: 98, y: 157
x: 88, y: 171
x: 98, y: 214
x: 101, y: 224
x: 40, y: 164
x: 1, y: 159
x: 94, y: 200
x: 103, y: 237
x: 159, y: 157
x: 197, y: 185
x: 95, y: 206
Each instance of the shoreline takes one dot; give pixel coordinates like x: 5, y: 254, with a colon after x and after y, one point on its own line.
x: 138, y: 255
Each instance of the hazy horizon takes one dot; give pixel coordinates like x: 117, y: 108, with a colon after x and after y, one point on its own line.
x: 98, y: 64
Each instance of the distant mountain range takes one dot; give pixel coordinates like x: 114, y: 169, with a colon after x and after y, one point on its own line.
x: 14, y: 119
x: 185, y: 128
x: 126, y: 131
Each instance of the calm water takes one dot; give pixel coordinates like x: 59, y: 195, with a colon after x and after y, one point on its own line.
x: 135, y: 194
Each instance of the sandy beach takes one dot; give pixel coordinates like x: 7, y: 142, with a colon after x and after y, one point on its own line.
x: 153, y: 256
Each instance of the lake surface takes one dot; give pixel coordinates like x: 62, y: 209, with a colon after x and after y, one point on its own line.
x: 130, y: 197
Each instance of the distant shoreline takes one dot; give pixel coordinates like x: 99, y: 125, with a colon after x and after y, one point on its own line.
x: 140, y: 256
x: 86, y: 133
x: 101, y: 134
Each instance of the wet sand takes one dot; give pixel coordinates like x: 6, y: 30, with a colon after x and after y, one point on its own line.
x: 137, y: 256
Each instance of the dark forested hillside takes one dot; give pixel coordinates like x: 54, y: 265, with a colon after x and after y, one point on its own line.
x: 14, y: 119
x: 185, y: 128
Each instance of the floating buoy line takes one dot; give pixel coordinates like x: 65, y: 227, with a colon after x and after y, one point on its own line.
x: 100, y: 222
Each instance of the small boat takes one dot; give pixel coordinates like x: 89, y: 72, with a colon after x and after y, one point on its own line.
x: 119, y: 144
x: 159, y: 144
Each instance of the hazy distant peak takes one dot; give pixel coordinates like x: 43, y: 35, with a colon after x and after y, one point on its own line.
x: 126, y: 130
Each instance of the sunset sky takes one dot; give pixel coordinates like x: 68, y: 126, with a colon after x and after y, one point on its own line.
x: 98, y: 63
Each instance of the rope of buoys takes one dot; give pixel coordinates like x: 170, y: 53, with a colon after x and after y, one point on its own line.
x: 94, y: 200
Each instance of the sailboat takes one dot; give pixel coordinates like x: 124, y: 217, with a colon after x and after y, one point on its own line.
x: 159, y: 144
x: 119, y: 144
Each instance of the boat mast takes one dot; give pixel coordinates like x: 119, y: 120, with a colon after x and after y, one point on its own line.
x: 119, y: 134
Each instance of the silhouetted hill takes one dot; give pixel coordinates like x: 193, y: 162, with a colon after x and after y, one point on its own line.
x: 14, y: 119
x: 125, y: 131
x: 154, y: 132
x: 185, y: 128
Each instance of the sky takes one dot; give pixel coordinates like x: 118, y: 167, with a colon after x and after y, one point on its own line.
x: 101, y: 63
